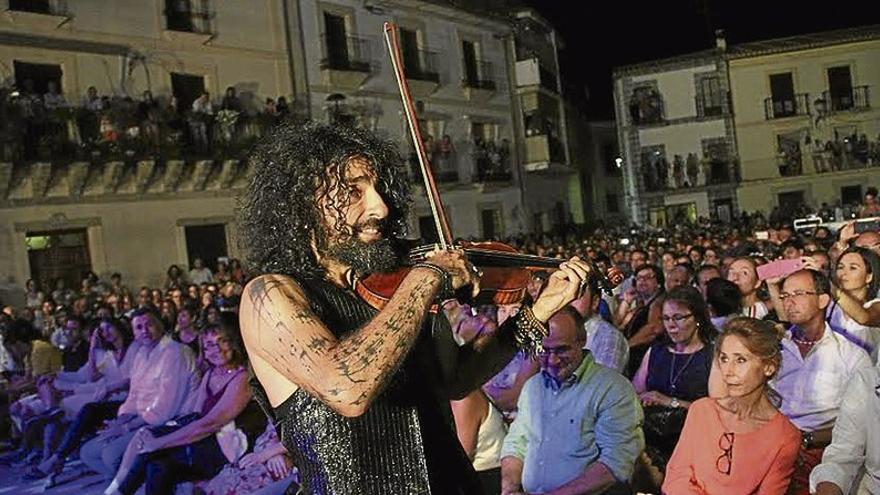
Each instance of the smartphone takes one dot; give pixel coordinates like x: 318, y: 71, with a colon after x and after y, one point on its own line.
x: 624, y: 242
x: 661, y: 240
x: 867, y: 225
x: 762, y: 235
x: 780, y: 268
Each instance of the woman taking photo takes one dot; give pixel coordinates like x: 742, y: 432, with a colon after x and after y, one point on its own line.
x: 674, y: 372
x: 188, y: 449
x: 738, y: 443
x: 855, y: 311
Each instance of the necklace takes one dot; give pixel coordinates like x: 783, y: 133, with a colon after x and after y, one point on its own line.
x: 673, y: 381
x: 804, y: 342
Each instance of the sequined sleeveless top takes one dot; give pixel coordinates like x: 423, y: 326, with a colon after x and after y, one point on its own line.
x: 404, y: 444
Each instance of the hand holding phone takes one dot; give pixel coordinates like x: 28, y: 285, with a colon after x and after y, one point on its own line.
x: 867, y: 225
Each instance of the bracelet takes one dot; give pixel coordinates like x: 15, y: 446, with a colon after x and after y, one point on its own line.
x: 445, y: 291
x: 529, y: 331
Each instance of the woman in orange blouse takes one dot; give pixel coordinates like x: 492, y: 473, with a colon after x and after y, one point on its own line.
x: 739, y: 444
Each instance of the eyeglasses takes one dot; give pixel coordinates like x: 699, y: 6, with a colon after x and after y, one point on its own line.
x: 725, y: 460
x: 557, y: 351
x: 676, y: 318
x: 650, y: 276
x: 797, y: 293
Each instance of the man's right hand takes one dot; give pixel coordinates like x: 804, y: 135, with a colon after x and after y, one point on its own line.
x: 563, y: 287
x: 454, y: 262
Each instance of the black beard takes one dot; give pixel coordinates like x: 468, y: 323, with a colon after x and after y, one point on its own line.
x: 365, y: 258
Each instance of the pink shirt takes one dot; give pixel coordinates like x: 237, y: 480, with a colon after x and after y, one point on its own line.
x: 709, y: 459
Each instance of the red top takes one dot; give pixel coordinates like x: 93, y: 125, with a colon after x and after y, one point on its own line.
x: 709, y: 459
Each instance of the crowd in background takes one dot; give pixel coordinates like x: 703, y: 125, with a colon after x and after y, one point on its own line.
x: 725, y: 377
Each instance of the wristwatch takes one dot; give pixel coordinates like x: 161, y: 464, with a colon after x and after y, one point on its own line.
x: 674, y: 403
x: 807, y: 439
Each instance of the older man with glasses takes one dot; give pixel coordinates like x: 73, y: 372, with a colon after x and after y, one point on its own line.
x: 578, y: 429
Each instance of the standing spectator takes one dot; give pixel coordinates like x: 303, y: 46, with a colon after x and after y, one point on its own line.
x: 173, y: 278
x: 222, y: 276
x: 855, y: 308
x: 871, y: 206
x: 62, y: 295
x: 578, y: 422
x: 53, y: 98
x: 230, y: 100
x: 200, y: 274
x: 282, y: 109
x: 200, y: 119
x: 33, y: 297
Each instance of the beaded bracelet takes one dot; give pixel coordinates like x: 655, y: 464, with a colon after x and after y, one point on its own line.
x: 529, y: 331
x: 446, y: 291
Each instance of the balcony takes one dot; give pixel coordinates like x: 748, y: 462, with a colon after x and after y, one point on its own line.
x: 544, y: 152
x: 530, y: 73
x: 690, y: 173
x: 780, y: 108
x: 421, y: 69
x: 347, y: 62
x: 859, y: 98
x: 492, y: 162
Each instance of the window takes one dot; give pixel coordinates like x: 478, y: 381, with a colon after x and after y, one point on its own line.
x: 335, y: 41
x: 609, y: 159
x: 417, y: 63
x: 186, y: 88
x: 35, y: 6
x: 477, y: 73
x: 35, y: 78
x: 840, y: 88
x: 646, y: 106
x: 58, y: 254
x: 710, y: 99
x: 851, y: 195
x: 782, y: 95
x: 207, y: 242
x: 180, y: 15
x: 428, y: 229
x: 491, y: 220
x: 611, y: 204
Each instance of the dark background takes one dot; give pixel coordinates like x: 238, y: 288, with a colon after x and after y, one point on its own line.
x: 599, y: 35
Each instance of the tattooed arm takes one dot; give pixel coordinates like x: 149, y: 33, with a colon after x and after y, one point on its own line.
x: 346, y: 374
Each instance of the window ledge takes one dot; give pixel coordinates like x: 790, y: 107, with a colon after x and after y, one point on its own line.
x: 33, y: 20
x: 187, y: 37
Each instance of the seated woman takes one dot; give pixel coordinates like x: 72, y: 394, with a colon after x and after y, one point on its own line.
x: 189, y: 448
x: 744, y: 273
x: 739, y: 443
x: 674, y: 372
x: 95, y: 391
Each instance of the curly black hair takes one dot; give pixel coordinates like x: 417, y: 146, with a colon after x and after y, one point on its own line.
x: 293, y: 167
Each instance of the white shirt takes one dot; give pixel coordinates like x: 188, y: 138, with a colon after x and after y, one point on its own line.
x: 200, y: 276
x: 607, y: 343
x: 868, y: 338
x: 811, y: 388
x: 856, y: 438
x: 490, y: 439
x: 758, y: 310
x: 164, y: 382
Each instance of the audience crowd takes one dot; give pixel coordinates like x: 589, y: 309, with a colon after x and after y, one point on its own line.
x: 734, y: 358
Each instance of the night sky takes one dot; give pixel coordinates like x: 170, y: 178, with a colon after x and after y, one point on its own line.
x: 600, y: 35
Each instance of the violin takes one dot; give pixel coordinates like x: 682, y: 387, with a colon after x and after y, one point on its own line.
x: 505, y: 271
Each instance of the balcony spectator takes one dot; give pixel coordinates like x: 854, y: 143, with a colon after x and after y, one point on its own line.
x: 91, y: 101
x: 199, y: 121
x: 200, y: 274
x: 282, y: 109
x: 269, y: 107
x: 231, y: 101
x: 692, y: 167
x: 53, y: 99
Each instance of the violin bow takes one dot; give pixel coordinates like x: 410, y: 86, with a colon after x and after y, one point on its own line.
x: 392, y: 42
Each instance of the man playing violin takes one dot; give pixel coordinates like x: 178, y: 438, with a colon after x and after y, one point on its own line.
x: 359, y: 395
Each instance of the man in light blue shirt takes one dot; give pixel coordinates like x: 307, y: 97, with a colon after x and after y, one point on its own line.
x: 578, y: 429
